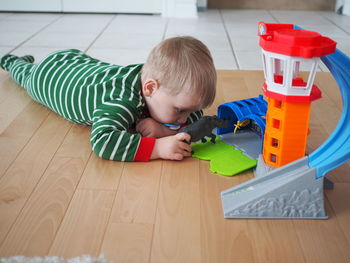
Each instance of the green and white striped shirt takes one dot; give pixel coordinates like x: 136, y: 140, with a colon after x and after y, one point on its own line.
x: 88, y: 91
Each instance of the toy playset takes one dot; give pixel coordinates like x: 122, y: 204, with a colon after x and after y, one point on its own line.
x: 288, y: 184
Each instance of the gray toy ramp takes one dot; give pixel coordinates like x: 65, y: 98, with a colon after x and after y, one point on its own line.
x: 291, y: 192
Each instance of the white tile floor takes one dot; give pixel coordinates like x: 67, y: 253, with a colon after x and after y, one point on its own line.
x: 126, y: 39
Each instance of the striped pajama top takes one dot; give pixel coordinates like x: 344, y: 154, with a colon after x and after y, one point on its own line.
x: 88, y: 91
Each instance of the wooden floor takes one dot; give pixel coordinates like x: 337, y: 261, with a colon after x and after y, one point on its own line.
x: 58, y: 198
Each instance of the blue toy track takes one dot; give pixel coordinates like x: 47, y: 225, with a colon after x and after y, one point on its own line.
x: 336, y: 149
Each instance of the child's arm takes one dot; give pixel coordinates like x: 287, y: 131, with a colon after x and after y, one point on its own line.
x: 151, y: 128
x: 110, y: 139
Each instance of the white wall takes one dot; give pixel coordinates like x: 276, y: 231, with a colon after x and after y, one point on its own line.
x: 203, y: 4
x: 346, y: 8
x: 180, y: 8
x: 106, y: 6
x: 168, y: 8
x: 31, y: 5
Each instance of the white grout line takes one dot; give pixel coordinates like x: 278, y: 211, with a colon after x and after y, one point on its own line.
x: 33, y: 35
x: 334, y: 23
x: 269, y: 12
x: 229, y: 39
x: 165, y: 28
x: 101, y: 32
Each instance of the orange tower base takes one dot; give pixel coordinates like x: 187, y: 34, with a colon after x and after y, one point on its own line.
x: 286, y: 131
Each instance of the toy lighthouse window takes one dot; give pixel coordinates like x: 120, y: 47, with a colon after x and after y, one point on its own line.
x: 278, y: 70
x: 297, y: 80
x: 282, y: 73
x: 296, y: 69
x: 274, y: 68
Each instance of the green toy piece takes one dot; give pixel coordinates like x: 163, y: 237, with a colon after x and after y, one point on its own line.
x: 224, y: 158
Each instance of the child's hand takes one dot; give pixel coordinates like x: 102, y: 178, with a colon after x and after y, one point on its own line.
x: 148, y: 127
x: 172, y: 147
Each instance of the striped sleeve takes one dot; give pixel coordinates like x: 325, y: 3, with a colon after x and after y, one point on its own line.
x: 194, y: 116
x: 110, y: 138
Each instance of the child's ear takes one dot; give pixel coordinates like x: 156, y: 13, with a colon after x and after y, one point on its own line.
x: 149, y: 87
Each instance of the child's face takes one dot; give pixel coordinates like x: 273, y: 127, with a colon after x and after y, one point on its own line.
x: 174, y: 109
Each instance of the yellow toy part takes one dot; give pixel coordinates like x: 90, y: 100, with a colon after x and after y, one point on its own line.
x: 240, y: 124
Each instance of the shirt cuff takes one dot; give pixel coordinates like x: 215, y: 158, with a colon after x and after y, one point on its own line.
x: 145, y: 149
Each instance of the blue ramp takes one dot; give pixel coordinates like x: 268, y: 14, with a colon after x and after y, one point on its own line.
x: 336, y: 149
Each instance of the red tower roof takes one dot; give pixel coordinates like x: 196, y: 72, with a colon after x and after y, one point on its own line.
x: 284, y: 39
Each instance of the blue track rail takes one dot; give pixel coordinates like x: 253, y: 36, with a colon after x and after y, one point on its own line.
x: 336, y: 149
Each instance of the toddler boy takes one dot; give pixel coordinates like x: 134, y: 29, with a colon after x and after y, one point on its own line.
x: 177, y: 81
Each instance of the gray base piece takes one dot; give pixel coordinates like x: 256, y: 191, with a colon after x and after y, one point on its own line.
x: 291, y: 191
x: 263, y: 169
x: 247, y: 141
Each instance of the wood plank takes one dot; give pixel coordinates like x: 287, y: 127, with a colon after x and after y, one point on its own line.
x: 84, y: 225
x: 128, y: 243
x: 254, y: 80
x: 76, y: 144
x: 176, y: 236
x: 327, y: 109
x: 19, y: 132
x: 241, y: 240
x: 339, y: 201
x: 275, y: 241
x: 101, y: 174
x: 8, y: 88
x: 136, y: 200
x: 326, y: 113
x: 230, y: 87
x: 20, y: 179
x: 222, y: 240
x: 37, y: 224
x: 13, y: 99
x: 323, y: 240
x: 317, y: 137
x: 318, y: 134
x: 329, y: 87
x: 3, y: 75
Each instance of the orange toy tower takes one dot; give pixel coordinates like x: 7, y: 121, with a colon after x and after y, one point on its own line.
x: 285, y: 50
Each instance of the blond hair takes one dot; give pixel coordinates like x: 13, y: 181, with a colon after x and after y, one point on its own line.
x: 183, y: 64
